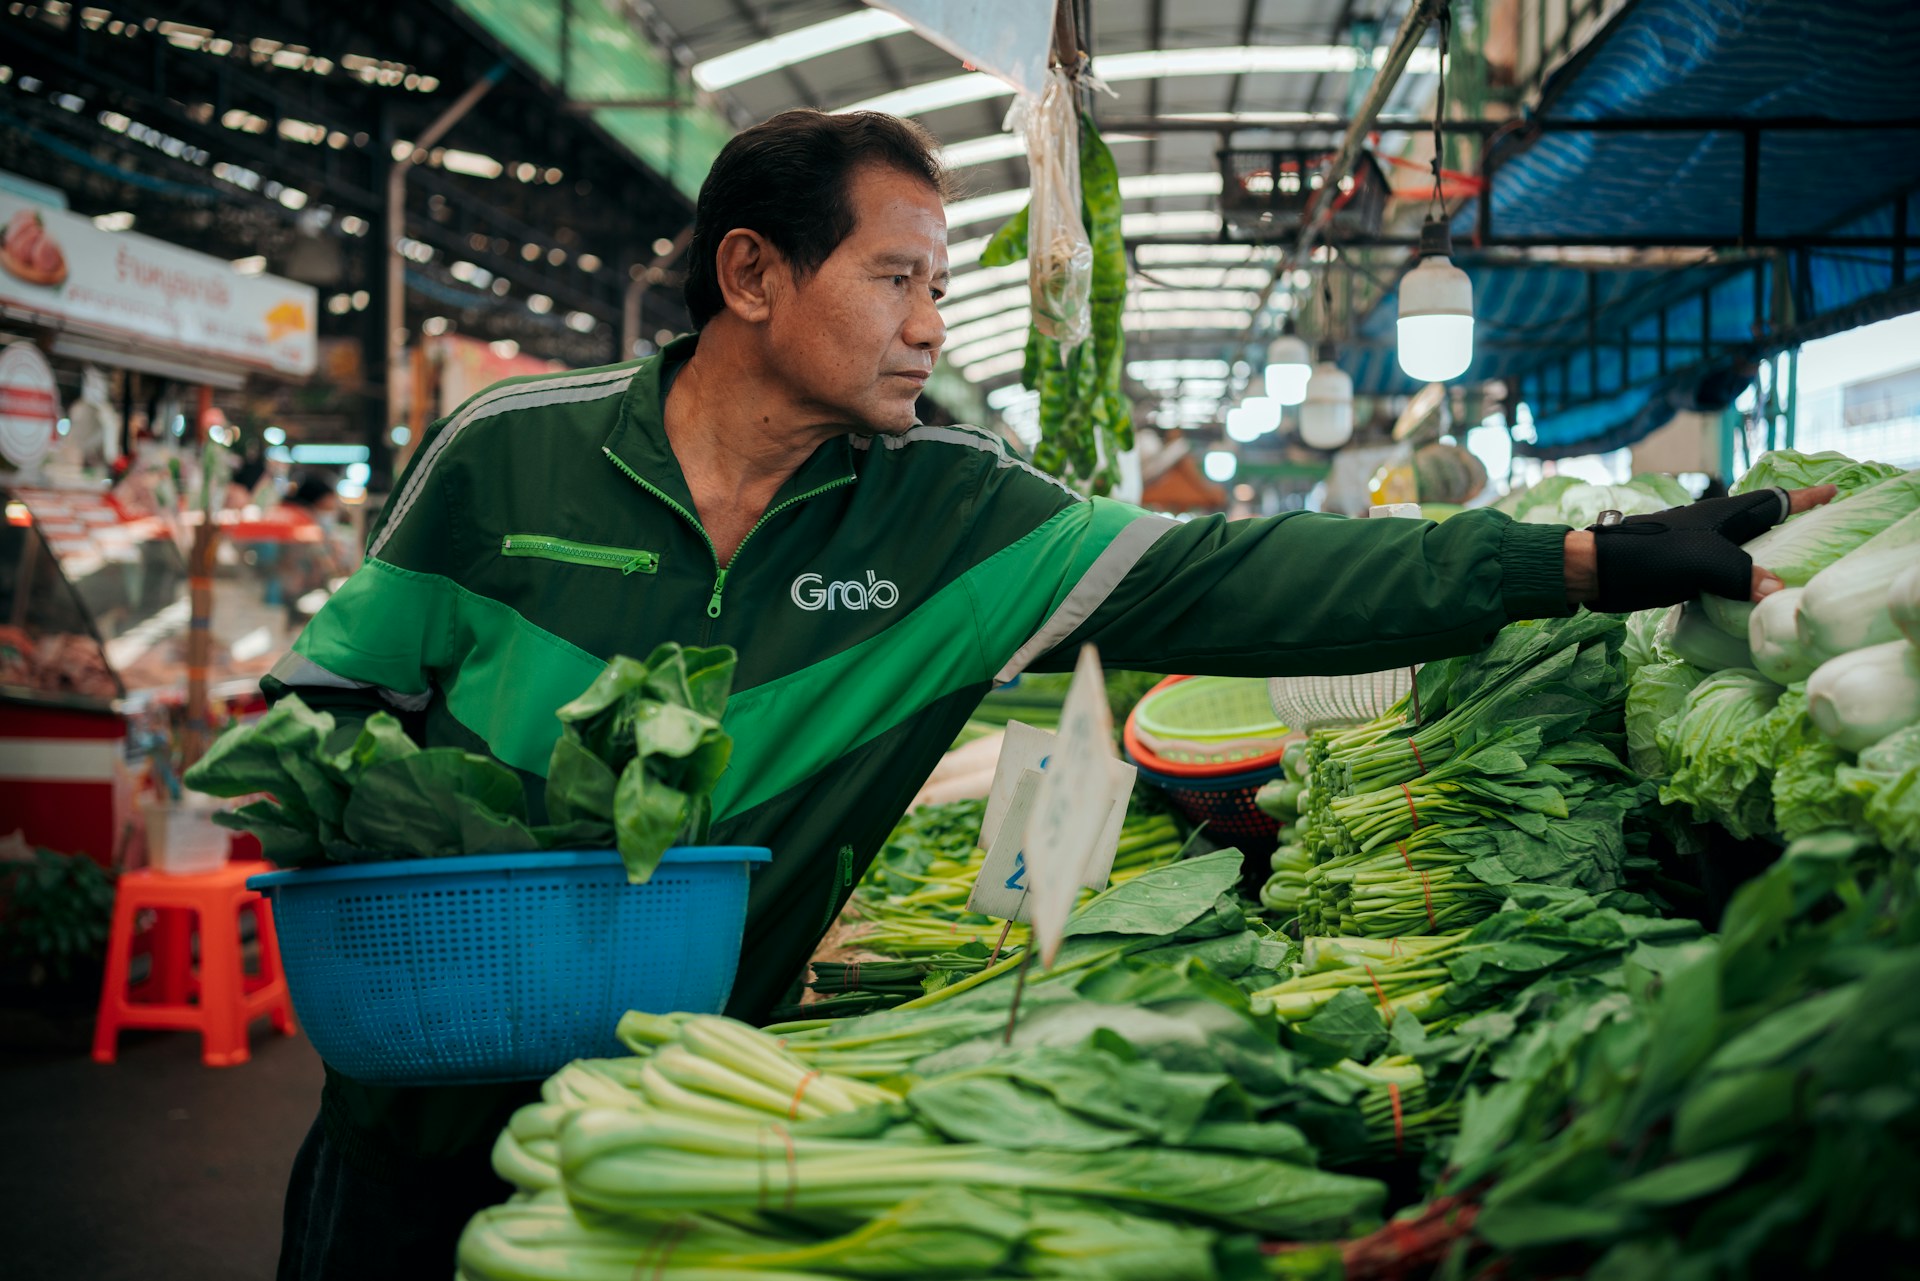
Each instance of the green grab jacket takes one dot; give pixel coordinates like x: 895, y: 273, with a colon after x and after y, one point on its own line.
x: 545, y: 526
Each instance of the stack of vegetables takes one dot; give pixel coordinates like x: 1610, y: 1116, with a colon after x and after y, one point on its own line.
x: 1800, y: 713
x: 907, y: 930
x: 1126, y: 1133
x: 639, y: 753
x: 1739, y: 1106
x: 1566, y: 500
x: 1509, y: 773
x: 1285, y: 799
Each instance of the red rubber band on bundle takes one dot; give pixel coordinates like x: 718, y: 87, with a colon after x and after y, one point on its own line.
x: 1426, y: 889
x: 1399, y: 1130
x: 793, y: 1170
x: 793, y: 1167
x: 1386, y: 1009
x: 669, y: 1241
x: 852, y: 980
x: 1393, y: 947
x: 1416, y: 754
x: 1408, y: 793
x: 793, y: 1108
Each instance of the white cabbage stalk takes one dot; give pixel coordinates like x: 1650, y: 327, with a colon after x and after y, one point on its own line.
x: 1689, y: 635
x: 1804, y: 546
x: 1903, y: 604
x: 1858, y: 699
x: 1773, y: 636
x: 1846, y: 605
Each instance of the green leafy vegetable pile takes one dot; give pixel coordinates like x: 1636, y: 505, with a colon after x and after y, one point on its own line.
x: 1793, y: 469
x: 907, y: 931
x: 638, y: 755
x: 1784, y: 719
x: 1513, y: 776
x: 1129, y: 1133
x: 1567, y: 500
x: 1742, y: 1106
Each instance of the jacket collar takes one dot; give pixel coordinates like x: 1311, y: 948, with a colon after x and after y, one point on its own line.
x: 639, y: 438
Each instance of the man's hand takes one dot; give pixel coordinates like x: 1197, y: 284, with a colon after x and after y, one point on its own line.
x: 1677, y: 554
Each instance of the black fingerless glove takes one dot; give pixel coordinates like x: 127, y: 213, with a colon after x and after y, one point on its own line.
x: 1677, y: 554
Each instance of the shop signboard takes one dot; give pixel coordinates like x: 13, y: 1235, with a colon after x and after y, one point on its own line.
x: 120, y: 283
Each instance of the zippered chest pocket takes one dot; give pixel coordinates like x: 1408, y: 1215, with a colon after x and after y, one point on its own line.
x: 628, y: 560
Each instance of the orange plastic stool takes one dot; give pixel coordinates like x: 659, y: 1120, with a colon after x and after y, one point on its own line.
x: 218, y: 1000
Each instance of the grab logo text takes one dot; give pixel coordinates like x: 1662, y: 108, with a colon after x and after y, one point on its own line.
x: 812, y: 592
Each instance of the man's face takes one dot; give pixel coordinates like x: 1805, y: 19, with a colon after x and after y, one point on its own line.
x: 857, y: 338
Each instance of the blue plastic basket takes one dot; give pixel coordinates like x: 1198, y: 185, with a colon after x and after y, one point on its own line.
x: 502, y: 967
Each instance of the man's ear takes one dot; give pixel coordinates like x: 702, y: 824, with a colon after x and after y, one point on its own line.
x: 751, y: 272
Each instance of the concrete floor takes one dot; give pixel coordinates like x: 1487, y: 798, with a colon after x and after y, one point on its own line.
x: 155, y: 1168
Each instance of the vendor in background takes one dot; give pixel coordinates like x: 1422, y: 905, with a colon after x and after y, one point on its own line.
x: 244, y: 483
x: 769, y: 486
x: 309, y: 560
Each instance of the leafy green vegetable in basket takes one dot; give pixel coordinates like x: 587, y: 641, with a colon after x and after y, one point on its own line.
x: 638, y: 755
x: 359, y: 794
x: 640, y: 751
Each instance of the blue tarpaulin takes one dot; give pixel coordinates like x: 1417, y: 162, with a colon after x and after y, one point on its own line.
x: 1607, y: 355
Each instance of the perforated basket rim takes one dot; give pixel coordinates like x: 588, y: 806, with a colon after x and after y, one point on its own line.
x: 1243, y: 778
x: 1143, y: 711
x: 467, y: 864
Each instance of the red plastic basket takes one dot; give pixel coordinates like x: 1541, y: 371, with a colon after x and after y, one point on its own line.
x: 1224, y: 804
x: 1218, y: 795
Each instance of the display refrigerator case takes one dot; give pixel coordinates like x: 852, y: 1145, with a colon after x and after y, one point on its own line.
x: 95, y: 615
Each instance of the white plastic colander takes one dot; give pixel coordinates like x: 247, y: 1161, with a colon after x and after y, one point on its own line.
x: 1320, y: 702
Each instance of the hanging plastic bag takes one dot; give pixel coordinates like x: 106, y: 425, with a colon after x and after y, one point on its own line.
x: 1059, y: 252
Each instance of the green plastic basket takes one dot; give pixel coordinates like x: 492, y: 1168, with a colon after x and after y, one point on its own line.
x: 1209, y: 721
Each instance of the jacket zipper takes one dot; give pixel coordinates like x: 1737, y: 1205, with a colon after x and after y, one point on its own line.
x: 625, y: 559
x: 720, y: 571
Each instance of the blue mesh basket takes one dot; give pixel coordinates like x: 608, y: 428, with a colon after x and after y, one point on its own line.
x: 501, y: 967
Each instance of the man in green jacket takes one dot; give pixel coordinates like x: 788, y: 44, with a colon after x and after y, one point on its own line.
x: 765, y: 484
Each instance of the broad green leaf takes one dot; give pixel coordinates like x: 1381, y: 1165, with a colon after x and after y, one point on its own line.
x: 1685, y: 1180
x: 580, y: 787
x: 1534, y: 1223
x: 1729, y: 1109
x: 1161, y: 901
x: 621, y: 678
x: 648, y: 816
x: 433, y: 803
x: 380, y: 739
x: 1009, y: 244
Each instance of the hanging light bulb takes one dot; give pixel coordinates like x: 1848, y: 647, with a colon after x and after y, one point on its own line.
x: 1326, y: 417
x: 1242, y: 425
x: 1436, y: 298
x: 1289, y: 365
x: 1220, y: 465
x: 1436, y: 311
x: 1263, y: 412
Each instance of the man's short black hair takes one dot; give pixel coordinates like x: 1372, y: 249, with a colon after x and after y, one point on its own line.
x: 789, y: 180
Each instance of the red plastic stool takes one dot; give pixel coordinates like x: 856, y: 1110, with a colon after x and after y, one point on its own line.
x: 218, y: 1000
